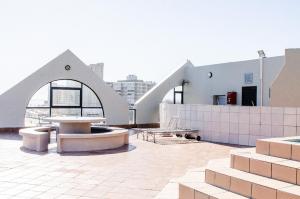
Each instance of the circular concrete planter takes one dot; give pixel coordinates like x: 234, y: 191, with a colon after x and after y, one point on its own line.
x: 92, y: 141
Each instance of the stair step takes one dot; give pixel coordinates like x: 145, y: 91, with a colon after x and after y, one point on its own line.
x: 267, y: 166
x: 205, y: 191
x: 192, y: 186
x: 218, y: 173
x: 285, y: 147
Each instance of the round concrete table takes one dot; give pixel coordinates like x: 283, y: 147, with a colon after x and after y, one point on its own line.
x: 71, y: 125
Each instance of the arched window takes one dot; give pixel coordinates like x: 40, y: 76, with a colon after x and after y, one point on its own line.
x: 62, y: 98
x: 174, y: 96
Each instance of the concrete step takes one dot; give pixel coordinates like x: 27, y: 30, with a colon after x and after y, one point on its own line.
x: 218, y: 173
x: 192, y: 186
x: 267, y: 166
x: 285, y: 147
x: 205, y: 191
x: 171, y: 190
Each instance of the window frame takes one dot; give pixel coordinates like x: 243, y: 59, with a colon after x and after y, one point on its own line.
x: 81, y: 107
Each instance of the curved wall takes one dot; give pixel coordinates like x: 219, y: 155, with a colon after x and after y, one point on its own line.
x: 147, y: 107
x: 14, y: 101
x: 201, y: 89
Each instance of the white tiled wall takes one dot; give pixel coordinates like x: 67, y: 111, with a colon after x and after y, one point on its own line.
x: 234, y: 124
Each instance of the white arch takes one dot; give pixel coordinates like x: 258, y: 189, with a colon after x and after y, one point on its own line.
x: 147, y: 107
x: 14, y: 101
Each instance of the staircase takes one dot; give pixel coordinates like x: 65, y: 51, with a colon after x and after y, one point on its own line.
x: 271, y: 171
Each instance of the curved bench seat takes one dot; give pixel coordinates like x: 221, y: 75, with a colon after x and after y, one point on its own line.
x: 36, y: 138
x: 92, y: 141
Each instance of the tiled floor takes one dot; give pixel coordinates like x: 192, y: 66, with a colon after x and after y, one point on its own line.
x: 140, y: 170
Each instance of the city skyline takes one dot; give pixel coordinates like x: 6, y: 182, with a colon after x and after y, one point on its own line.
x: 132, y: 88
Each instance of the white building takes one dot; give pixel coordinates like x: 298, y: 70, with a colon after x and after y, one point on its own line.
x: 64, y: 86
x: 98, y: 69
x: 132, y: 88
x: 267, y: 81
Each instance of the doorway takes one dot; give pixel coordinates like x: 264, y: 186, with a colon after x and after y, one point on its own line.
x: 249, y: 95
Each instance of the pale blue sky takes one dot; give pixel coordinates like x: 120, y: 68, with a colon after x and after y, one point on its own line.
x: 148, y: 38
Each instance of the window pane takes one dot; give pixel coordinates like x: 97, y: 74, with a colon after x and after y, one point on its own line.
x: 33, y: 117
x: 177, y: 98
x: 169, y: 97
x: 92, y: 112
x: 65, y: 112
x: 178, y: 88
x: 66, y: 83
x: 66, y: 97
x: 131, y: 116
x: 89, y: 99
x: 41, y: 97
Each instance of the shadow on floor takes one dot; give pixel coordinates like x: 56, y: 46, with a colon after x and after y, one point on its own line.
x: 126, y: 148
x: 33, y: 152
x: 123, y: 149
x: 231, y: 145
x: 10, y: 136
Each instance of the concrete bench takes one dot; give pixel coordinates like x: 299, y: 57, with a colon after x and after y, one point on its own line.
x: 92, y: 141
x: 36, y: 139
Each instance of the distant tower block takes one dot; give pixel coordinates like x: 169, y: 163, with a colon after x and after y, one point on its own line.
x: 131, y: 77
x: 98, y: 69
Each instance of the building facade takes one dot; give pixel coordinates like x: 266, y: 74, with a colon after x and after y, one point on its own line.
x: 98, y: 69
x: 267, y: 81
x: 132, y: 88
x: 63, y: 86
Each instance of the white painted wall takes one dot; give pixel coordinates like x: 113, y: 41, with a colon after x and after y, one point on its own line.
x: 230, y: 77
x: 14, y: 101
x: 147, y: 107
x: 234, y: 124
x: 226, y: 77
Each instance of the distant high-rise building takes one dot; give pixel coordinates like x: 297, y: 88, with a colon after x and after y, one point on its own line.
x: 132, y: 88
x: 98, y: 69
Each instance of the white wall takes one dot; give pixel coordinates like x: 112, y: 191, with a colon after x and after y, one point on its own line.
x: 226, y: 77
x: 234, y: 124
x: 229, y: 77
x: 14, y: 101
x: 147, y: 107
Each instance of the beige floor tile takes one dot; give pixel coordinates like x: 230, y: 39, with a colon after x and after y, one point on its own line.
x: 241, y: 163
x: 260, y: 167
x: 281, y: 150
x: 263, y: 147
x: 284, y: 173
x: 261, y: 192
x: 222, y: 181
x: 140, y: 171
x: 296, y: 152
x: 240, y: 186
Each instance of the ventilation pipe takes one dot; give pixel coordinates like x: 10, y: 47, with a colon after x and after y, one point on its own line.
x: 262, y: 55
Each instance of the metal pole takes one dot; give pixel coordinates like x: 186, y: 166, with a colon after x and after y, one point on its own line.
x: 261, y: 62
x: 182, y: 93
x: 262, y: 55
x: 174, y: 97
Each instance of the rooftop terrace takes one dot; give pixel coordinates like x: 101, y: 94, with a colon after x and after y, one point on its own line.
x: 140, y: 170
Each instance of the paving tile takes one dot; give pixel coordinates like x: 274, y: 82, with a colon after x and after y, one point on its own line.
x: 140, y: 171
x: 284, y: 173
x: 241, y: 187
x: 259, y: 191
